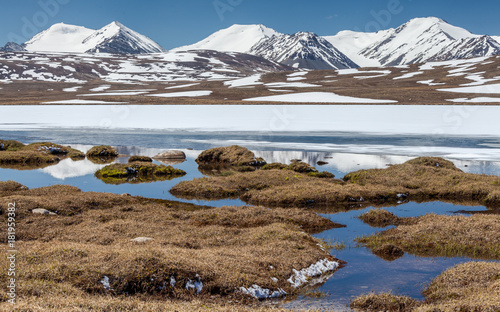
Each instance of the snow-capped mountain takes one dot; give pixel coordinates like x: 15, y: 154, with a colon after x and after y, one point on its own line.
x: 59, y: 38
x: 468, y: 48
x: 416, y: 41
x: 352, y: 42
x: 116, y: 38
x: 113, y: 38
x: 302, y: 50
x: 237, y: 38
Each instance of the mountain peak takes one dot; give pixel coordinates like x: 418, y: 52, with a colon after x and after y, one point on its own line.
x: 302, y: 50
x: 112, y: 38
x: 434, y: 24
x: 235, y: 38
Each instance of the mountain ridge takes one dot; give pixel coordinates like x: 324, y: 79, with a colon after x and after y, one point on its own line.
x: 112, y: 38
x: 417, y: 41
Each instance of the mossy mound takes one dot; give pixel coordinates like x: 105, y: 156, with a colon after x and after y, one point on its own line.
x: 381, y: 218
x: 140, y: 158
x: 10, y: 145
x: 229, y: 156
x: 137, y: 172
x: 36, y: 155
x: 102, y: 151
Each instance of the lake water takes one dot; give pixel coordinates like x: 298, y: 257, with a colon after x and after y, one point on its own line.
x: 344, y: 152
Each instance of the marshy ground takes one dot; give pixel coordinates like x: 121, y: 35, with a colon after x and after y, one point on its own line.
x: 149, y: 250
x: 64, y: 258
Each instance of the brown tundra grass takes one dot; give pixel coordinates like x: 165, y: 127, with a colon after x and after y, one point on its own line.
x: 472, y: 286
x: 477, y: 236
x: 14, y: 154
x: 424, y: 178
x: 62, y: 258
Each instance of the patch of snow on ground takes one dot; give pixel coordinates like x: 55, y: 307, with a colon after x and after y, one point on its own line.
x: 296, y: 78
x: 183, y: 86
x: 408, y: 75
x: 321, y: 267
x: 247, y: 81
x: 298, y: 74
x: 183, y: 94
x: 316, y: 97
x: 462, y: 69
x: 196, y: 284
x: 486, y: 89
x: 431, y: 83
x: 291, y: 85
x: 105, y: 283
x: 101, y: 88
x: 476, y: 100
x: 478, y: 79
x: 352, y: 71
x: 82, y: 102
x: 121, y: 93
x: 73, y: 89
x: 258, y: 292
x: 279, y: 90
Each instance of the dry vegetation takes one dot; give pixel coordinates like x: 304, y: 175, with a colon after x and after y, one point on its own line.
x: 229, y: 156
x: 63, y: 258
x: 14, y: 154
x: 476, y: 236
x: 382, y: 218
x: 140, y: 158
x: 137, y: 172
x: 420, y: 179
x: 473, y: 286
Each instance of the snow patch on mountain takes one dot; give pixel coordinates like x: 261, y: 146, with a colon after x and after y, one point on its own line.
x: 113, y: 38
x: 60, y: 38
x: 117, y: 38
x: 468, y: 48
x: 302, y: 50
x: 414, y: 42
x: 351, y: 43
x: 237, y: 38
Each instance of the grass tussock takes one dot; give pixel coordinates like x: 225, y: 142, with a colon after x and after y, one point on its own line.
x: 382, y: 218
x: 425, y: 178
x: 229, y: 156
x: 477, y: 236
x: 140, y: 158
x: 384, y: 302
x: 137, y: 172
x: 14, y: 154
x: 69, y: 254
x: 102, y: 151
x: 472, y: 286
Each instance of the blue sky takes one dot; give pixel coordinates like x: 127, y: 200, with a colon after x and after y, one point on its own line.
x: 180, y: 22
